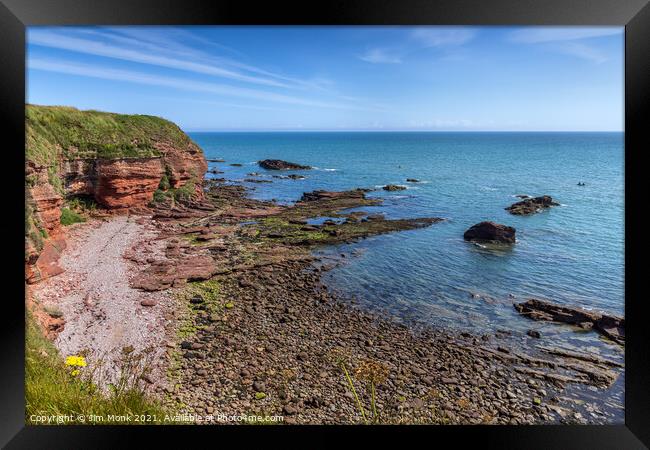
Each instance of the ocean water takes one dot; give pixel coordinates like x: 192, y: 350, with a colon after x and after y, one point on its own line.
x: 571, y: 254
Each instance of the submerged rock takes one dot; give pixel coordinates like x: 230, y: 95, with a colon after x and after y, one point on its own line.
x: 393, y: 187
x: 412, y: 180
x: 331, y: 195
x: 490, y: 232
x: 610, y: 326
x: 531, y: 205
x: 278, y: 164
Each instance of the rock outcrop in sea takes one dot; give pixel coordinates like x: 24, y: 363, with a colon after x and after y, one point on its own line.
x: 393, y: 187
x: 490, y: 232
x: 531, y: 205
x: 278, y: 164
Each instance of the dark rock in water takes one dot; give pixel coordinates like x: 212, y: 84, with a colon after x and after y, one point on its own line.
x: 330, y: 195
x: 278, y: 164
x: 522, y: 196
x: 531, y: 205
x: 296, y: 177
x: 534, y: 333
x: 253, y: 174
x: 256, y: 180
x: 490, y: 232
x: 215, y: 171
x: 215, y: 160
x: 393, y: 187
x: 236, y: 165
x: 610, y: 326
x: 412, y: 180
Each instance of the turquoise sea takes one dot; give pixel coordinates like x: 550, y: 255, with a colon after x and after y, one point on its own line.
x: 571, y: 254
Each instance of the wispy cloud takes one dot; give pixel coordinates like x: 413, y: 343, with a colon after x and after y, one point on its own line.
x: 535, y: 35
x: 573, y: 41
x: 442, y: 36
x: 157, y: 58
x: 381, y: 56
x: 582, y: 51
x: 418, y: 39
x: 95, y: 71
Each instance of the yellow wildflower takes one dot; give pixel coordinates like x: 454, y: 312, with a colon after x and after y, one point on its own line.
x: 75, y: 372
x: 75, y: 361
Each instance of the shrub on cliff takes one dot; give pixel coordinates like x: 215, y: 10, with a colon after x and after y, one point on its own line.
x: 68, y: 217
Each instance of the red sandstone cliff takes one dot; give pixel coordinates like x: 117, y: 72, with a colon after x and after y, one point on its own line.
x: 120, y: 167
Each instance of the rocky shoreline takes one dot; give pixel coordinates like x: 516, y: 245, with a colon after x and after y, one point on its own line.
x: 224, y: 293
x: 251, y: 329
x: 264, y: 336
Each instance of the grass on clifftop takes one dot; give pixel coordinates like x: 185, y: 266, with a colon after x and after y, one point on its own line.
x: 51, y: 389
x: 60, y: 132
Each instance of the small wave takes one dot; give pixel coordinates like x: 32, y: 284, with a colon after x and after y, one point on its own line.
x: 488, y: 188
x: 324, y: 170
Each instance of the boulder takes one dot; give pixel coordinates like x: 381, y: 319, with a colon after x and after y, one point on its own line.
x: 278, y: 164
x: 531, y: 205
x: 490, y: 232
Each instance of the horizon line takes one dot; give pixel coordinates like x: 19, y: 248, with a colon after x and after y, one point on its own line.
x: 254, y: 130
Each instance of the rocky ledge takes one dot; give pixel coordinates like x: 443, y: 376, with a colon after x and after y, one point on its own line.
x: 531, y: 205
x: 490, y: 232
x: 278, y: 164
x: 609, y: 326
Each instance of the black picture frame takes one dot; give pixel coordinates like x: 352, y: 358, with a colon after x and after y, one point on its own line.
x: 15, y: 15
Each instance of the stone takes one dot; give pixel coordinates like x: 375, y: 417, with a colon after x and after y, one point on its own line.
x: 393, y: 187
x: 534, y: 334
x: 490, y: 232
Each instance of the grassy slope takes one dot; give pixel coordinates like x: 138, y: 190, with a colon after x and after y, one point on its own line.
x: 59, y: 132
x: 50, y: 389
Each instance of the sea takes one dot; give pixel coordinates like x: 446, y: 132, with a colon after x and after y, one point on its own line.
x: 570, y: 254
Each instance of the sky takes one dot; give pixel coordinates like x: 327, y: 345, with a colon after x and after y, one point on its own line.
x: 250, y: 78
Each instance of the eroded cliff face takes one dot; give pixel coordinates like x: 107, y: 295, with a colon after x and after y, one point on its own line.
x: 131, y: 182
x: 127, y: 183
x: 182, y: 164
x: 118, y: 160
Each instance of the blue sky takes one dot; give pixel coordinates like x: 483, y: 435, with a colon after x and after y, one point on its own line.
x: 337, y: 78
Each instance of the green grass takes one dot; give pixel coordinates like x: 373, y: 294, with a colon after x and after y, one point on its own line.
x: 50, y: 389
x: 183, y: 193
x: 59, y: 132
x: 69, y: 217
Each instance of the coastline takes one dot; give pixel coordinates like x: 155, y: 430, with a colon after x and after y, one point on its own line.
x: 258, y: 333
